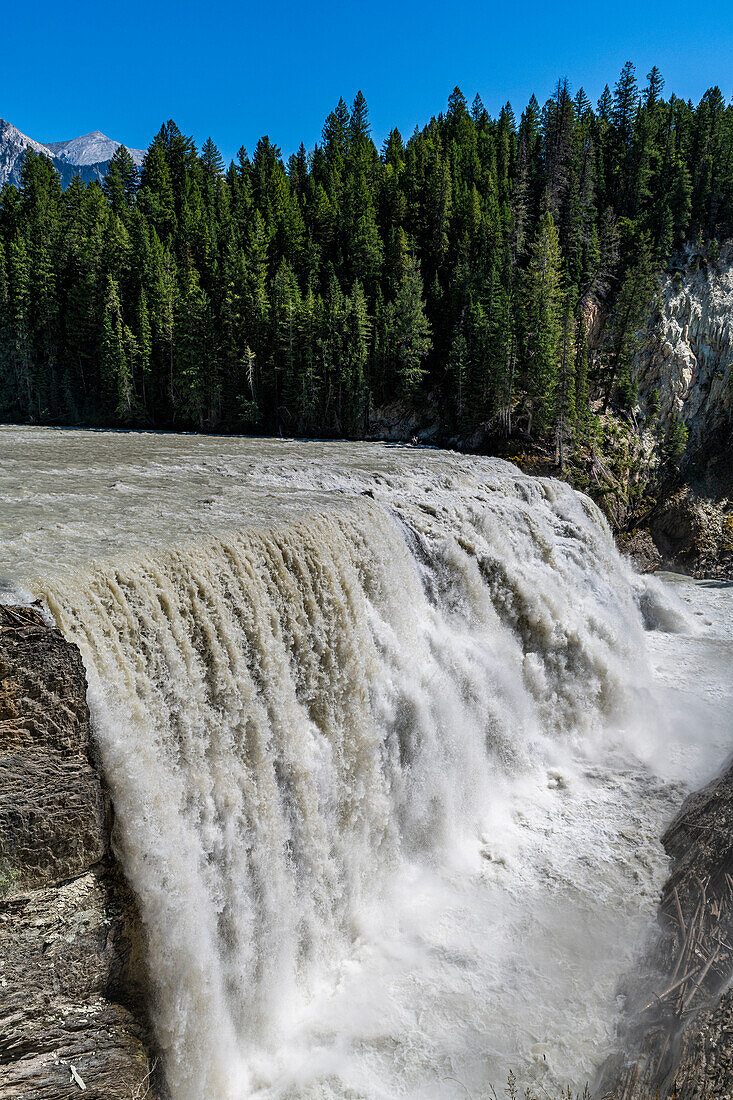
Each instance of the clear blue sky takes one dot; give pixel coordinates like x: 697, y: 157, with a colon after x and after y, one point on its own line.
x: 239, y: 70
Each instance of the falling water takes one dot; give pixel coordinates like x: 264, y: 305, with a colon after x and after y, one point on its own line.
x: 389, y: 748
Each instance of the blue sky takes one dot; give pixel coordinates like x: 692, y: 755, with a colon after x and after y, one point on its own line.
x: 238, y: 70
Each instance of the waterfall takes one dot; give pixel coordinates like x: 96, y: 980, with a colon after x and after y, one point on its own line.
x: 381, y: 773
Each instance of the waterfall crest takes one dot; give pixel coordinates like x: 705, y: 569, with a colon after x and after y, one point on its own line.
x: 353, y: 749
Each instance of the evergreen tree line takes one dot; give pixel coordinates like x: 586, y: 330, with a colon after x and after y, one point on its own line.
x: 297, y: 296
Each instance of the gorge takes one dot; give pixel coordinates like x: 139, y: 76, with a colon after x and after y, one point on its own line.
x: 391, y: 736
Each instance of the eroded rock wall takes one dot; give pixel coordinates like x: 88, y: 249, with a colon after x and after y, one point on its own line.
x: 72, y: 988
x: 688, y: 361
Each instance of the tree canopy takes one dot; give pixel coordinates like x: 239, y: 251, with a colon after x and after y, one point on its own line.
x: 295, y: 296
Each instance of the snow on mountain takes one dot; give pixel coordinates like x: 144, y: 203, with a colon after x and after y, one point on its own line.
x: 86, y: 156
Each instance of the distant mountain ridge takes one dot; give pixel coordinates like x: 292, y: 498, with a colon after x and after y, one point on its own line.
x: 87, y: 156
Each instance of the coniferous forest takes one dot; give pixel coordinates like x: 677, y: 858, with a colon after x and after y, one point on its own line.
x: 297, y: 296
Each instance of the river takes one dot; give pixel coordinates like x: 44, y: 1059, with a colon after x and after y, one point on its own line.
x: 392, y: 735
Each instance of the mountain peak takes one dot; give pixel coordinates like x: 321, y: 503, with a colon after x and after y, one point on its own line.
x: 87, y: 156
x: 92, y: 148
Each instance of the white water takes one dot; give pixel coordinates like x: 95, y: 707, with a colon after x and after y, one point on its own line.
x: 389, y: 747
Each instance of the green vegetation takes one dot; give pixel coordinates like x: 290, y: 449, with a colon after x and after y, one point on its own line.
x: 459, y: 266
x: 9, y: 876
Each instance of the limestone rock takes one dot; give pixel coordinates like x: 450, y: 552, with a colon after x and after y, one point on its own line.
x: 688, y: 361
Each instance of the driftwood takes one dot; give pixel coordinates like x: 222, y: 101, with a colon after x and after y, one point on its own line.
x: 677, y: 1039
x: 21, y: 620
x: 700, y: 940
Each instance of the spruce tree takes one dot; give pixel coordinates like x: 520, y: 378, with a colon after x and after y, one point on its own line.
x: 543, y: 329
x: 408, y: 327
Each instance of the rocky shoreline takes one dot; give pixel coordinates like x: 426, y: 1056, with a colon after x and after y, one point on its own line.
x: 72, y: 981
x: 685, y: 532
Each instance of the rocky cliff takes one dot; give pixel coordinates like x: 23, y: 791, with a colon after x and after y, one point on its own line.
x: 686, y: 369
x: 685, y: 384
x: 72, y: 987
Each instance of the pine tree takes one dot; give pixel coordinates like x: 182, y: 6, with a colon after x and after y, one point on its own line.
x: 335, y: 136
x: 357, y: 326
x: 409, y: 333
x: 653, y: 91
x: 196, y: 355
x: 358, y: 125
x: 581, y: 370
x: 117, y: 350
x: 566, y: 388
x: 286, y: 305
x: 122, y: 180
x: 19, y: 309
x: 211, y: 160
x: 625, y: 100
x: 675, y: 442
x: 626, y: 333
x: 458, y: 374
x: 156, y: 190
x: 543, y: 299
x: 143, y: 344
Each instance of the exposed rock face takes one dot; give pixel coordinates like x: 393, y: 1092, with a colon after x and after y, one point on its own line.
x: 87, y: 156
x: 689, y: 359
x: 679, y: 1034
x: 94, y: 148
x: 403, y: 422
x: 641, y: 548
x: 72, y: 991
x: 12, y: 146
x: 694, y: 533
x: 685, y: 377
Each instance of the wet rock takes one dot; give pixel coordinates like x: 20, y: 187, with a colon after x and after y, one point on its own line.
x: 694, y: 534
x: 72, y: 985
x: 641, y: 548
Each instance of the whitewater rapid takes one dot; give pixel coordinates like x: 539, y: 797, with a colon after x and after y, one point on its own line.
x: 391, y: 736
